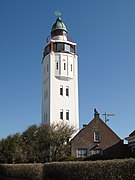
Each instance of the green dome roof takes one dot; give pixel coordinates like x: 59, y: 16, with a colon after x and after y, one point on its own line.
x: 59, y: 25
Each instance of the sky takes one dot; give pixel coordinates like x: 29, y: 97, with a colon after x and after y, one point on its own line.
x: 104, y: 31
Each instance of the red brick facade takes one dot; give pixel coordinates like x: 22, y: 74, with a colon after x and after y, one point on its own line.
x: 95, y: 138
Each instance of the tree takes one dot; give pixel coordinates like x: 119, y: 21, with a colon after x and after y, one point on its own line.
x: 43, y: 134
x: 37, y: 144
x: 60, y: 134
x: 11, y: 149
x: 30, y: 143
x: 2, y: 151
x: 18, y: 155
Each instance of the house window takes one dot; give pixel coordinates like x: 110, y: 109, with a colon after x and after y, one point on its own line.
x: 64, y: 66
x: 96, y: 136
x: 82, y: 153
x: 61, y: 90
x: 57, y: 65
x: 97, y: 150
x: 61, y: 114
x: 67, y: 114
x: 67, y: 91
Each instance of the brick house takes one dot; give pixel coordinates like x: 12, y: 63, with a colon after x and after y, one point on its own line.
x: 97, y: 138
x: 131, y: 141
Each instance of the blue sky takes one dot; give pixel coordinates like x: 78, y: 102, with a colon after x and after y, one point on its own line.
x: 104, y: 31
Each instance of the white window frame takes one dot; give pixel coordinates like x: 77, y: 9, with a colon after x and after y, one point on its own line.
x: 97, y: 137
x: 81, y: 152
x: 97, y: 150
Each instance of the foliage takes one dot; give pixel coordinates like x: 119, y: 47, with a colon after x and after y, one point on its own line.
x: 37, y: 144
x: 30, y: 140
x: 29, y: 171
x: 68, y: 158
x: 59, y: 141
x: 99, y: 170
x: 11, y: 149
x: 43, y: 135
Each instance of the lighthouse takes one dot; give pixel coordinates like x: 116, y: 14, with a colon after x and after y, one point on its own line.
x: 60, y: 78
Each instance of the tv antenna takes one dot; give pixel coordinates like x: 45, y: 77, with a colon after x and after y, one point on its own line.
x: 107, y: 115
x: 58, y: 13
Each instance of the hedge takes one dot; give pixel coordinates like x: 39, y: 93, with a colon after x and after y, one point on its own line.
x: 88, y: 170
x: 92, y: 170
x: 29, y: 171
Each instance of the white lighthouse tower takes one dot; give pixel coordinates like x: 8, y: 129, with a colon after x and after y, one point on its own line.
x: 60, y: 78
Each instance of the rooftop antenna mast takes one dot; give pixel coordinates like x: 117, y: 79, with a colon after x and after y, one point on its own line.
x: 107, y: 115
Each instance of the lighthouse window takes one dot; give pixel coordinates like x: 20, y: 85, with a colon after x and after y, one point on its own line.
x: 67, y: 114
x: 61, y: 90
x: 64, y: 66
x: 47, y: 49
x: 57, y: 65
x: 47, y: 67
x: 71, y: 67
x: 60, y: 46
x: 67, y: 91
x: 72, y: 48
x: 61, y: 114
x: 67, y: 47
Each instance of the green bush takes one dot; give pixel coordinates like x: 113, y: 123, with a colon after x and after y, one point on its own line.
x: 92, y: 170
x: 29, y: 171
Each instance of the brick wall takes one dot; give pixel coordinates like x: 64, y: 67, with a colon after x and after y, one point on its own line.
x: 85, y: 138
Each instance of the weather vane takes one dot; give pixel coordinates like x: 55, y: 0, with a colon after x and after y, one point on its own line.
x: 58, y: 13
x: 106, y: 115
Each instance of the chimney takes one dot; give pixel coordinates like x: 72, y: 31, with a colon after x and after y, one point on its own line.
x: 96, y: 114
